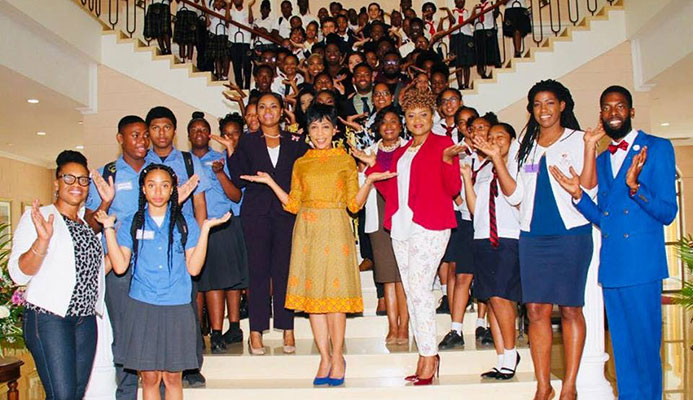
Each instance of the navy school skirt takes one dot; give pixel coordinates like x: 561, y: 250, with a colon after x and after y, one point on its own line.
x: 497, y: 270
x: 554, y: 268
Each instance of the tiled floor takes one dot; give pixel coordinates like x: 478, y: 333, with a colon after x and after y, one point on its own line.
x: 677, y: 354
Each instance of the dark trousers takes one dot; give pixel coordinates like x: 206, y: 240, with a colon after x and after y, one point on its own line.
x: 240, y: 57
x: 268, y: 240
x: 63, y: 349
x: 635, y: 325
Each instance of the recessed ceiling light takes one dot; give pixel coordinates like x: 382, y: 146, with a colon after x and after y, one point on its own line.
x: 664, y: 124
x: 80, y: 122
x: 32, y: 101
x: 40, y: 133
x: 79, y: 147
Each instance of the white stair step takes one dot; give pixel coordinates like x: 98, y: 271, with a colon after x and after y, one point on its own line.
x: 365, y: 358
x: 367, y: 326
x: 468, y: 387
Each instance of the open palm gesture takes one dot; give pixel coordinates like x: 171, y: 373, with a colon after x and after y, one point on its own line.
x: 635, y: 168
x: 106, y: 189
x: 368, y: 159
x: 569, y: 184
x: 260, y: 177
x: 44, y: 227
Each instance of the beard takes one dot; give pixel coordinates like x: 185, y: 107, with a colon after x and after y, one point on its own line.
x: 617, y: 133
x: 391, y: 75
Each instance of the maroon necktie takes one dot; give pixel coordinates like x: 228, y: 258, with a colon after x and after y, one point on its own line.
x: 613, y: 148
x: 449, y: 129
x: 493, y: 193
x: 475, y: 172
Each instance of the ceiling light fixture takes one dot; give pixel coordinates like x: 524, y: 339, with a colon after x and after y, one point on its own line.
x: 32, y: 101
x: 79, y: 147
x: 41, y: 133
x: 664, y: 124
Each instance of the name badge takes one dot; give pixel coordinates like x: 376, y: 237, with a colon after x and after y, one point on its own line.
x: 124, y: 186
x: 144, y: 235
x: 209, y: 163
x: 531, y: 168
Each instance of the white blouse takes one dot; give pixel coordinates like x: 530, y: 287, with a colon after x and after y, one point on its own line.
x: 402, y: 220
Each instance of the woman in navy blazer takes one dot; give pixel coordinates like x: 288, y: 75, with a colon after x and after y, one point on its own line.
x: 266, y: 226
x: 419, y: 214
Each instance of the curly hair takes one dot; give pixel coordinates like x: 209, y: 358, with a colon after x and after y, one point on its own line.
x: 416, y: 98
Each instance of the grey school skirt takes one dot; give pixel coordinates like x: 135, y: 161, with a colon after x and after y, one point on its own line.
x: 158, y: 338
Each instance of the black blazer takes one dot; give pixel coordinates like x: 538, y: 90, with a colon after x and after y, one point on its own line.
x: 252, y: 156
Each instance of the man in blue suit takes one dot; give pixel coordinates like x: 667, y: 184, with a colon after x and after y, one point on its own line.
x: 636, y: 199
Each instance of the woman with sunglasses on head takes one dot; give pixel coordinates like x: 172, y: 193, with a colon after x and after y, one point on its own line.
x: 60, y: 260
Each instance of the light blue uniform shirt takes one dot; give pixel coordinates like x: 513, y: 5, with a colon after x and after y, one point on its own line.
x: 218, y: 203
x: 154, y: 281
x: 177, y: 163
x: 127, y: 191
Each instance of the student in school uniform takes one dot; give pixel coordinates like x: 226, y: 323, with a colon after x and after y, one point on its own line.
x: 240, y: 42
x: 164, y: 247
x: 161, y: 123
x: 555, y: 239
x: 496, y: 259
x: 120, y: 199
x: 267, y: 227
x: 282, y: 26
x: 486, y: 38
x: 286, y: 79
x: 157, y: 24
x: 226, y: 265
x: 263, y: 24
x: 428, y: 11
x: 516, y: 24
x: 217, y: 51
x: 304, y: 13
x: 185, y: 31
x: 459, y: 253
x: 636, y: 199
x: 462, y: 43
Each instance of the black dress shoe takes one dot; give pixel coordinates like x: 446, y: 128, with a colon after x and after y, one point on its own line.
x: 443, y: 308
x: 507, y: 373
x: 492, y: 374
x: 216, y: 343
x: 451, y: 340
x: 488, y: 337
x: 233, y: 336
x: 193, y: 379
x: 480, y: 332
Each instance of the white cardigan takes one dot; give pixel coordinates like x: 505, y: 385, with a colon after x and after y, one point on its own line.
x: 566, y: 152
x: 52, y: 286
x: 371, y: 207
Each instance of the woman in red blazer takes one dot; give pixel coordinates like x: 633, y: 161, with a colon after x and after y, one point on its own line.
x: 419, y: 214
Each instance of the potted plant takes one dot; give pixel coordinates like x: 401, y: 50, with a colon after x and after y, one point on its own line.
x: 11, y: 299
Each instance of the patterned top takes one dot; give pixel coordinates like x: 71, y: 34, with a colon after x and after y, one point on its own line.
x: 88, y: 256
x: 313, y: 181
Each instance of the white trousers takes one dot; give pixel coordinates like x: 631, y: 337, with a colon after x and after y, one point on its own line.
x: 418, y: 259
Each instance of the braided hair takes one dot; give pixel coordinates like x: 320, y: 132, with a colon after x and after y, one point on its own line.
x: 531, y: 130
x: 175, y: 216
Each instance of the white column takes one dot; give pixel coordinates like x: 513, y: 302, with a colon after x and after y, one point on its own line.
x: 591, y: 382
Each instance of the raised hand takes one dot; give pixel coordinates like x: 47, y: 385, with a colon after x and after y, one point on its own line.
x: 368, y: 159
x: 635, y: 168
x: 593, y: 136
x: 338, y: 83
x: 108, y: 221
x: 290, y: 116
x: 224, y: 141
x: 106, y: 189
x: 44, y: 228
x: 351, y: 124
x: 380, y: 176
x: 260, y: 177
x: 234, y: 98
x: 569, y: 184
x: 186, y: 189
x: 492, y: 151
x: 218, y: 166
x: 212, y: 222
x: 452, y: 151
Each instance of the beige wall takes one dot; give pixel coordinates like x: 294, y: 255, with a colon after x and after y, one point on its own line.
x: 119, y: 95
x: 586, y: 84
x: 21, y: 182
x: 684, y: 162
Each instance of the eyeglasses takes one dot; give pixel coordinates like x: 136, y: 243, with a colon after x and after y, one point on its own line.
x: 70, y: 179
x: 391, y: 62
x: 449, y: 100
x: 381, y: 94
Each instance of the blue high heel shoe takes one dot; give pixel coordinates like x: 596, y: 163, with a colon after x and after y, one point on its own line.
x: 321, y: 381
x: 337, y: 381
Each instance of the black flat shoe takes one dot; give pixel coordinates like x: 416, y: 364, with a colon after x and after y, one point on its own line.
x: 507, y: 373
x: 479, y: 332
x: 216, y: 343
x: 451, y: 340
x: 444, y: 307
x: 233, y: 336
x: 492, y: 374
x: 488, y: 337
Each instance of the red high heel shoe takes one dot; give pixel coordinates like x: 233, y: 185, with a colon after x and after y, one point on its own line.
x: 411, y: 378
x: 428, y: 381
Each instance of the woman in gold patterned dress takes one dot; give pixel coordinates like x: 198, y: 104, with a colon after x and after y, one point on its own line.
x: 323, y: 275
